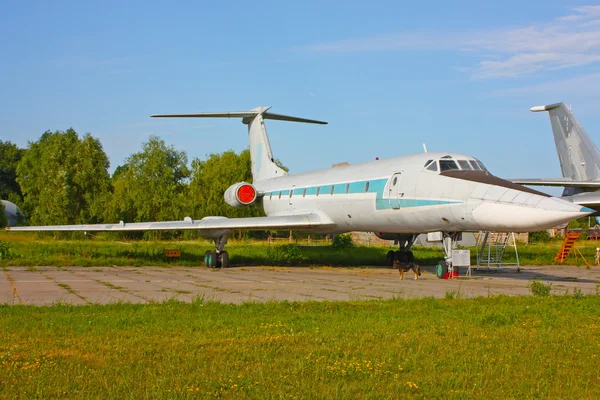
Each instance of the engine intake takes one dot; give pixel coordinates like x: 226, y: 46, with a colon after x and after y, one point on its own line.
x: 241, y: 194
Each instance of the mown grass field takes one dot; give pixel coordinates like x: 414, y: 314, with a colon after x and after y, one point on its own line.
x: 489, y: 348
x: 29, y: 250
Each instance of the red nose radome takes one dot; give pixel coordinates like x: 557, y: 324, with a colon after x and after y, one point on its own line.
x: 246, y: 194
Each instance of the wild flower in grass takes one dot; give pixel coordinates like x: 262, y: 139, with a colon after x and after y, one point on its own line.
x: 412, y: 385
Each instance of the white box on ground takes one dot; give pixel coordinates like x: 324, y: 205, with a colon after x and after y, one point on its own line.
x: 434, y: 237
x: 461, y: 258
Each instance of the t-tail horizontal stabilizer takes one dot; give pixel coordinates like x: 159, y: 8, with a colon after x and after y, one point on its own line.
x: 263, y: 163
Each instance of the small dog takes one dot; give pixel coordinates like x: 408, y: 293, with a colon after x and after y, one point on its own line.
x: 402, y: 268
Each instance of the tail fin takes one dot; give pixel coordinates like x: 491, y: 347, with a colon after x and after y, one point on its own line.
x: 578, y: 155
x: 263, y: 163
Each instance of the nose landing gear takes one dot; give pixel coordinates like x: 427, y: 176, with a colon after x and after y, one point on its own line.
x: 444, y: 268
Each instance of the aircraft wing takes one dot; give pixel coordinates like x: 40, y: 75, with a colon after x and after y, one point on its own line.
x: 206, y: 225
x: 563, y: 182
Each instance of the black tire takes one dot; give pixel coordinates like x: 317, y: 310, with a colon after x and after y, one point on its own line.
x: 410, y: 257
x: 389, y: 258
x: 206, y: 258
x: 224, y: 259
x: 212, y: 259
x: 401, y: 257
x: 441, y: 269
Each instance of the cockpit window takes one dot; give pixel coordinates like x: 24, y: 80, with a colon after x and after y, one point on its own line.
x: 483, y: 168
x: 448, y: 165
x: 427, y: 163
x: 464, y: 164
x: 475, y: 166
x: 432, y: 167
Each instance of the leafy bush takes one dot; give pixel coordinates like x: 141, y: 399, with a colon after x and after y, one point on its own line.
x: 5, y: 251
x: 538, y: 288
x: 541, y: 236
x: 342, y: 242
x: 286, y: 254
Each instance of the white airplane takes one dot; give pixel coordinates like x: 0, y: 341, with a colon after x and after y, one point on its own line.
x: 396, y: 198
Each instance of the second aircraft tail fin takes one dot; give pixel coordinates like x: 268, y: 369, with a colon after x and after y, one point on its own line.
x: 578, y: 155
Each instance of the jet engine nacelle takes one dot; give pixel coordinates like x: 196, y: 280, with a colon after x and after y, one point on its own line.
x: 241, y: 194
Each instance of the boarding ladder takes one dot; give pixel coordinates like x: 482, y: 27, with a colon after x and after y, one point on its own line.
x: 567, y: 246
x: 491, y: 249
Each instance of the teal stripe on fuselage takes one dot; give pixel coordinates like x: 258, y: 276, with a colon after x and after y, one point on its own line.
x: 376, y: 186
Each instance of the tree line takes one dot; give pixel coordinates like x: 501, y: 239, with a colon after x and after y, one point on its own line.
x: 63, y: 178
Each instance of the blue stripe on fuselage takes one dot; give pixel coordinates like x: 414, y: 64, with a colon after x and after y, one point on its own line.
x: 376, y: 186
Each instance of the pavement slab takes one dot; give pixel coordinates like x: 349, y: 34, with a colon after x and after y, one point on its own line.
x: 103, y: 285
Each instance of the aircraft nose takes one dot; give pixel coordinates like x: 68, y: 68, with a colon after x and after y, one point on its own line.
x: 525, y: 212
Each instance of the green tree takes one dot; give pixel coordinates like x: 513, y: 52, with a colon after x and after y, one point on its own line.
x: 151, y: 185
x: 10, y: 155
x: 64, y: 179
x: 3, y: 219
x: 212, y: 177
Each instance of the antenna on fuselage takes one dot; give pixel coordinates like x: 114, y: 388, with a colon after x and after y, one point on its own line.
x: 424, y: 147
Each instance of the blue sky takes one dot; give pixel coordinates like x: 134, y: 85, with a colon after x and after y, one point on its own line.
x: 387, y: 76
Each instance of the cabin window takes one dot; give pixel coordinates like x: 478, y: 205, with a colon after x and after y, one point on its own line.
x: 332, y: 189
x: 448, y: 165
x: 464, y: 164
x: 318, y: 190
x: 433, y: 167
x: 366, y: 187
x: 271, y: 196
x: 474, y: 165
x: 291, y: 192
x: 279, y: 194
x: 395, y: 181
x: 304, y: 193
x: 347, y: 188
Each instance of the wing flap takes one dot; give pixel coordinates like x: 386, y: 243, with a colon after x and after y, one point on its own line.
x: 296, y: 221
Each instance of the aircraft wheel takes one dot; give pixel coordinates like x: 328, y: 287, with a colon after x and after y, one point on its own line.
x: 441, y: 269
x: 211, y: 259
x: 401, y: 256
x: 389, y: 258
x: 224, y: 259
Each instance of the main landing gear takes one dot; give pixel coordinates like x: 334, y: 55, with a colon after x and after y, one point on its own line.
x: 403, y: 255
x: 218, y: 258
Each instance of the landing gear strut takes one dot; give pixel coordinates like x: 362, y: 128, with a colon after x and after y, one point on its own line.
x: 218, y: 258
x: 449, y: 242
x: 403, y: 255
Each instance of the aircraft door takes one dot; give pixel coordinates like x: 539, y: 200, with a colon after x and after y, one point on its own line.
x: 394, y: 191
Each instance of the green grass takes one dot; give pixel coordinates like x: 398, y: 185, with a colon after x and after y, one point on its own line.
x: 497, y: 347
x: 26, y: 249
